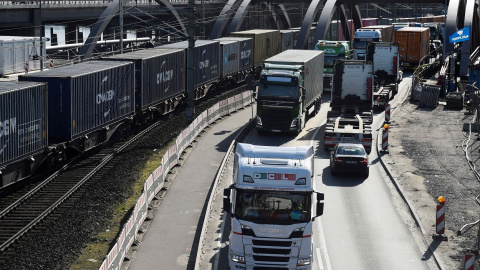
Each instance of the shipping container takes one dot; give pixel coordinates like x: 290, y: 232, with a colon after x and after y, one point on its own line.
x: 245, y: 51
x: 287, y: 39
x: 207, y: 62
x: 333, y: 31
x: 310, y: 45
x: 86, y: 97
x: 369, y: 21
x: 15, y: 52
x: 385, y: 21
x: 159, y: 75
x: 229, y: 58
x: 266, y: 43
x: 23, y: 120
x: 388, y: 32
x: 413, y: 44
x: 23, y: 129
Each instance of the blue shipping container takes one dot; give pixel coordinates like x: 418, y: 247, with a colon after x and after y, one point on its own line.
x: 245, y: 51
x: 87, y: 96
x: 23, y: 120
x: 159, y: 75
x: 207, y: 62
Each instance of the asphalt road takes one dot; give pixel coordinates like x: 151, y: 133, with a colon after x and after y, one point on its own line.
x: 383, y: 222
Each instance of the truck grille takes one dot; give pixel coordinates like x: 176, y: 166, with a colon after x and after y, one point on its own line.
x: 327, y: 82
x: 268, y: 268
x: 271, y: 252
x: 274, y: 118
x: 270, y: 259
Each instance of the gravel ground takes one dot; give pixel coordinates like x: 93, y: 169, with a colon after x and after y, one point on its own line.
x: 430, y: 155
x: 62, y: 242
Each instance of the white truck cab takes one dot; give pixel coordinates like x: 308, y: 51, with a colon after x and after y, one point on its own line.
x: 361, y: 39
x: 272, y: 205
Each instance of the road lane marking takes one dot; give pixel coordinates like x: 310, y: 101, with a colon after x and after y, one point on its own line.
x: 323, y: 245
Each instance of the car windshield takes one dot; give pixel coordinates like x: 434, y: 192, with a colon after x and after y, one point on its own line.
x: 350, y: 150
x: 272, y: 206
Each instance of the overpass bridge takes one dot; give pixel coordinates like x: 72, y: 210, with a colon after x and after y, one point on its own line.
x: 216, y: 18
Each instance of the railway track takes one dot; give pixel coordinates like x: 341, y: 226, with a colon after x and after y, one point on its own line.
x: 34, y: 207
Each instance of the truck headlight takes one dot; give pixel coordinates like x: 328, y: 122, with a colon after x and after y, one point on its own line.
x: 259, y: 121
x: 237, y: 258
x: 294, y: 122
x: 304, y: 261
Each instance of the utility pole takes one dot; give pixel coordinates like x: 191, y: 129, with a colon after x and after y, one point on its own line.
x: 120, y: 22
x: 190, y: 112
x: 41, y: 37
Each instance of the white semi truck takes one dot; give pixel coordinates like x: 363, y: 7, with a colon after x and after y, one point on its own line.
x: 351, y: 117
x: 361, y: 39
x: 386, y: 67
x: 272, y: 203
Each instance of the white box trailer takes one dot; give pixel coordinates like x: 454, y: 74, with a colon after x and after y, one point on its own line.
x: 15, y: 52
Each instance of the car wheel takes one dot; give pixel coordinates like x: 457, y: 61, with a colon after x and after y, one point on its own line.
x: 366, y: 173
x: 332, y: 171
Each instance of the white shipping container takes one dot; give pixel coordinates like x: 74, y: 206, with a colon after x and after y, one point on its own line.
x: 15, y: 51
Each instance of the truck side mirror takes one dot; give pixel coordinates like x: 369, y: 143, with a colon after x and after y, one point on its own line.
x: 304, y: 93
x: 226, y: 200
x: 320, y: 204
x: 226, y: 205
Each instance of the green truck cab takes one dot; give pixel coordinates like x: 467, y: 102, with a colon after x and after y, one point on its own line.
x: 288, y: 91
x: 333, y: 50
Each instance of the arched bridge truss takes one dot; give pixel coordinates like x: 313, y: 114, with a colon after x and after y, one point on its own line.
x: 460, y: 14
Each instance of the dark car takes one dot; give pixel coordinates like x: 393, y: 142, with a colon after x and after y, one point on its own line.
x: 349, y: 158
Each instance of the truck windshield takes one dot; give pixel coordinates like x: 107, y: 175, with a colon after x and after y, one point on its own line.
x: 278, y: 90
x: 330, y: 60
x: 362, y: 44
x: 272, y: 206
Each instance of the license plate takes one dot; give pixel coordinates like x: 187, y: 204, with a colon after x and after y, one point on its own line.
x: 275, y: 130
x: 351, y: 162
x: 347, y: 139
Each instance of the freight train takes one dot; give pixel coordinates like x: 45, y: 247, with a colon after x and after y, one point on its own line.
x: 49, y: 116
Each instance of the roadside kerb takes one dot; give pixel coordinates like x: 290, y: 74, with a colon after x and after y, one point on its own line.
x: 392, y: 176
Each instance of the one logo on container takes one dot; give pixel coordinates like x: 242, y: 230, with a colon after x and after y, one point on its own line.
x: 7, y: 127
x: 164, y: 76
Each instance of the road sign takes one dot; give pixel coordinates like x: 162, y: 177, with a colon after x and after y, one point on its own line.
x: 460, y: 35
